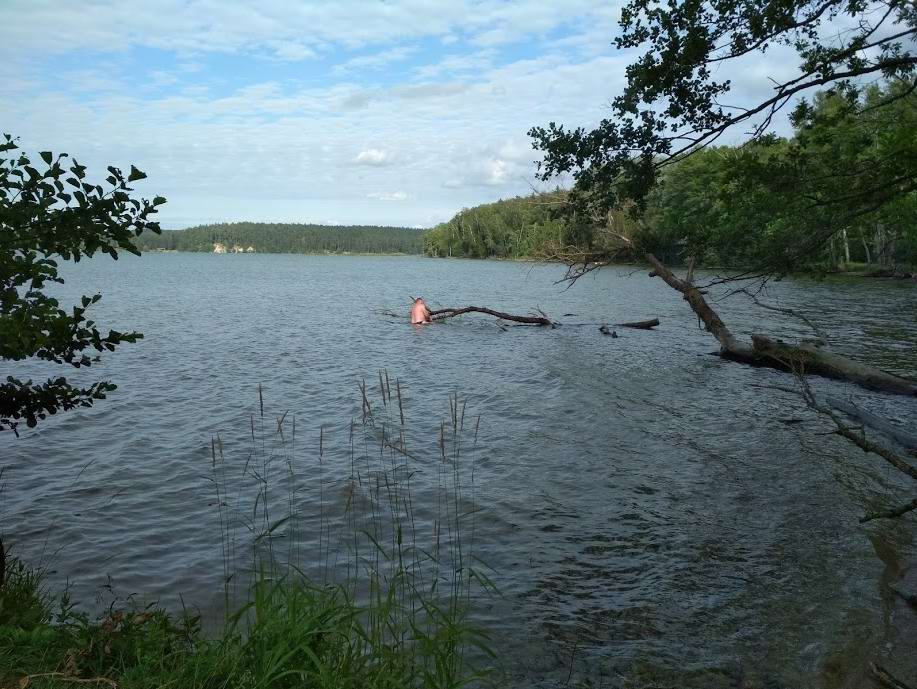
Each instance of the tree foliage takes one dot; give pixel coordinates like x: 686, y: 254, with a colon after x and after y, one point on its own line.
x: 509, y: 228
x: 48, y: 212
x: 290, y: 238
x: 844, y: 187
x: 520, y: 227
x: 674, y: 103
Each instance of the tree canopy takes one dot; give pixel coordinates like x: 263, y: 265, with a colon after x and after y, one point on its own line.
x: 841, y: 189
x: 674, y: 102
x: 509, y: 228
x: 47, y: 212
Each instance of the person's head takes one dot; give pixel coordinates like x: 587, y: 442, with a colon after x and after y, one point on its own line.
x: 418, y: 300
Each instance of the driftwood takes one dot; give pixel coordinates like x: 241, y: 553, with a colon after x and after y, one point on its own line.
x: 764, y: 351
x: 440, y: 314
x: 640, y: 325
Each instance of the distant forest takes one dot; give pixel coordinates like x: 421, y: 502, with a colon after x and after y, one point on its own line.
x: 277, y: 238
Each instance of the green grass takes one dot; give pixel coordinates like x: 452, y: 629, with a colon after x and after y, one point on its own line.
x: 397, y: 618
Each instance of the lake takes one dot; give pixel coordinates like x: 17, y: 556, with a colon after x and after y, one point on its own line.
x: 648, y: 511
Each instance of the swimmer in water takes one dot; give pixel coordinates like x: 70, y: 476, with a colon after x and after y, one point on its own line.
x: 419, y: 312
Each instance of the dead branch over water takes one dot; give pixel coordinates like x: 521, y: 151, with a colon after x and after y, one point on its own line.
x: 440, y: 314
x: 764, y: 351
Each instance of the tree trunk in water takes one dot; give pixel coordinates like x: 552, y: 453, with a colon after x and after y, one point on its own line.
x: 846, y: 246
x: 711, y: 320
x: 809, y: 359
x: 764, y: 351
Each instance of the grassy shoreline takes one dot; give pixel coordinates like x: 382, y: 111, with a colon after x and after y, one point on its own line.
x: 291, y: 633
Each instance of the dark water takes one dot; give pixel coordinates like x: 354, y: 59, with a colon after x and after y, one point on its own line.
x: 648, y: 512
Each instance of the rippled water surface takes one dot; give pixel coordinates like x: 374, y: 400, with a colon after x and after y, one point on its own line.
x: 651, y: 513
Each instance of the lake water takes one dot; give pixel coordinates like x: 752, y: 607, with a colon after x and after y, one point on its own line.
x: 651, y: 513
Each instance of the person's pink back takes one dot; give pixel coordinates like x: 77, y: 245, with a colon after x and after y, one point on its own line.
x: 419, y: 312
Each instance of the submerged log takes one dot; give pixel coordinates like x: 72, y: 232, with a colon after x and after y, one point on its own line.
x: 764, y: 351
x: 640, y: 325
x: 900, y: 435
x: 605, y: 330
x: 441, y: 314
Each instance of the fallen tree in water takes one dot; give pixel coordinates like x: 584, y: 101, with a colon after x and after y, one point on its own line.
x: 765, y: 351
x: 440, y: 314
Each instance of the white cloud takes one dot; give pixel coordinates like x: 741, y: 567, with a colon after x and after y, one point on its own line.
x: 286, y: 152
x: 289, y: 137
x: 457, y: 64
x: 375, y: 61
x: 484, y: 171
x: 159, y: 77
x: 275, y: 26
x: 291, y: 51
x: 388, y: 196
x: 372, y: 156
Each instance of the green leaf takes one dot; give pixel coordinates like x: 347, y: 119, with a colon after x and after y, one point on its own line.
x: 135, y: 175
x: 47, y: 156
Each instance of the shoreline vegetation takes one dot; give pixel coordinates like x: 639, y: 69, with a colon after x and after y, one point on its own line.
x: 851, y: 270
x: 838, y: 190
x: 286, y: 253
x: 541, y: 228
x: 294, y: 238
x: 375, y: 595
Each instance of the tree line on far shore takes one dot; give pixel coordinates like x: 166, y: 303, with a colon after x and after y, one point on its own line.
x: 291, y: 238
x: 769, y: 202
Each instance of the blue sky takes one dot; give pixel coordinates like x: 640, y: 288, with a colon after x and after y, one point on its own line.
x: 398, y: 112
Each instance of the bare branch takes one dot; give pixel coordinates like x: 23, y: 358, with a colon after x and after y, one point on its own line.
x: 440, y: 314
x: 885, y: 678
x: 819, y: 333
x: 890, y: 514
x: 857, y: 437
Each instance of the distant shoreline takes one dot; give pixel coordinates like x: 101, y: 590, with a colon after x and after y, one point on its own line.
x: 281, y: 253
x: 857, y: 272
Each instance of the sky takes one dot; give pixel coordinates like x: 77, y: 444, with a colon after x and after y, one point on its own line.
x: 396, y: 112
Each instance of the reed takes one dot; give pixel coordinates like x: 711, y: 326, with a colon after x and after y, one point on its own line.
x: 372, y: 591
